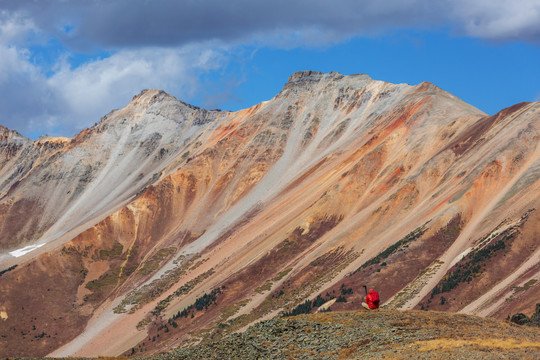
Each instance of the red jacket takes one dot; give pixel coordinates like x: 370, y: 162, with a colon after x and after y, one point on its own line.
x: 372, y: 299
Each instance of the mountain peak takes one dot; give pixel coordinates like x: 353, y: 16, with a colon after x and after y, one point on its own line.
x: 305, y: 75
x: 152, y: 96
x: 310, y: 76
x: 303, y: 80
x: 11, y: 135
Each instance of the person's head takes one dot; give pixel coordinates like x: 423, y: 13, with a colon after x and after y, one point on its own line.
x: 371, y: 290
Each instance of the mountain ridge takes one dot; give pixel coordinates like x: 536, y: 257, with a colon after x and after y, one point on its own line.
x: 376, y: 335
x: 162, y: 202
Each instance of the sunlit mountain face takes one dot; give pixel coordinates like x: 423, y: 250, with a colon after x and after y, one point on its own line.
x: 165, y: 224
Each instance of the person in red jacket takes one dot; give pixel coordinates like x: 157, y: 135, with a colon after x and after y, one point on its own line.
x: 372, y: 300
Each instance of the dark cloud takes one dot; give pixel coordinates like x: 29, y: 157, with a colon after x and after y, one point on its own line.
x: 26, y: 102
x: 134, y: 23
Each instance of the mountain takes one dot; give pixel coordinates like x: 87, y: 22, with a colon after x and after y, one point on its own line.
x: 165, y: 224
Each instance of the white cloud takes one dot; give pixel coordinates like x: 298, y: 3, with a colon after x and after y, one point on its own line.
x: 70, y: 99
x: 93, y: 89
x: 24, y: 95
x: 15, y: 28
x: 74, y: 98
x: 499, y: 20
x: 13, y: 61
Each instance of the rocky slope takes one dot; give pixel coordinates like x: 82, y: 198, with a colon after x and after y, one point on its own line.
x: 385, y: 334
x: 169, y: 221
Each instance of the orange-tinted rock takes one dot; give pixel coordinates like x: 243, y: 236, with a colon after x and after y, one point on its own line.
x: 162, y: 202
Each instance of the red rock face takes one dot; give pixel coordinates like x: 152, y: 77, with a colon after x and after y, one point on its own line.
x: 165, y: 223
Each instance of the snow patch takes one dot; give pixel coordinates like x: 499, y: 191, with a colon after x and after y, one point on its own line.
x: 25, y: 250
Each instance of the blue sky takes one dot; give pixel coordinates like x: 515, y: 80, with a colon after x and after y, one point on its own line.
x: 64, y: 64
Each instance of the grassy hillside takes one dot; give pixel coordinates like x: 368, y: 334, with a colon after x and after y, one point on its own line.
x: 381, y: 334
